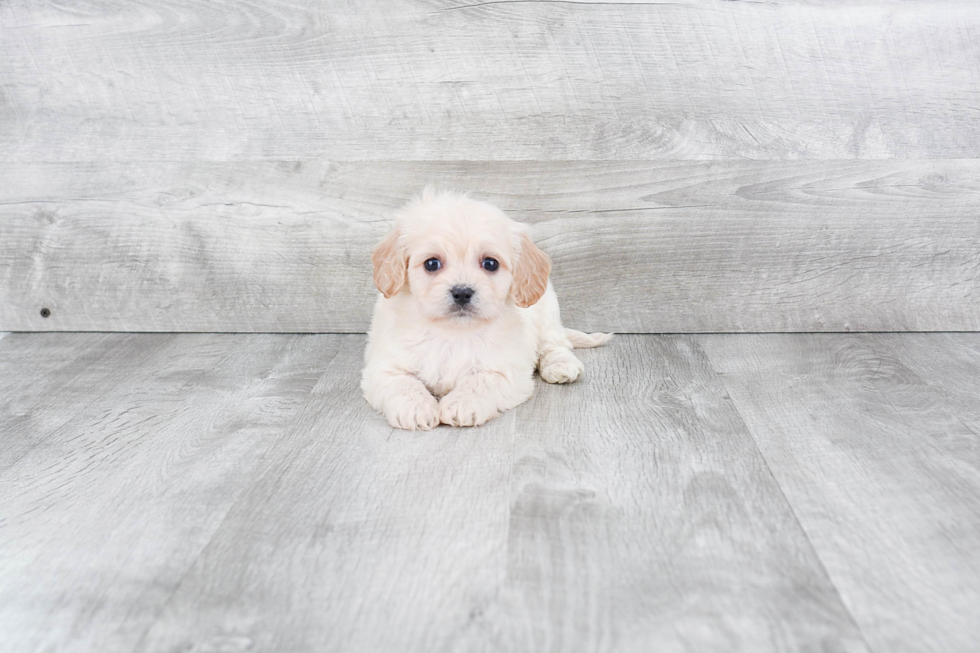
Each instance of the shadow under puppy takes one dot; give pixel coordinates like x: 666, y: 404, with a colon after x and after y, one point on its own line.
x: 466, y: 315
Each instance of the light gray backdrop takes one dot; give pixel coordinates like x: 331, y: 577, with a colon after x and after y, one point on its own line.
x: 690, y: 166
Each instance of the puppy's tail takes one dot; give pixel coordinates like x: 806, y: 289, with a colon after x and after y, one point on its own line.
x: 586, y: 340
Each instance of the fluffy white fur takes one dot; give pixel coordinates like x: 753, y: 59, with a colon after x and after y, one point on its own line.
x: 431, y: 361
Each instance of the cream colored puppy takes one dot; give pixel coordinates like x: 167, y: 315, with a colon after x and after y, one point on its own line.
x: 466, y: 314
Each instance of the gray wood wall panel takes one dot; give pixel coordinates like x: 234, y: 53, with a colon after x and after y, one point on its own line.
x: 691, y: 166
x: 638, y: 246
x: 181, y: 80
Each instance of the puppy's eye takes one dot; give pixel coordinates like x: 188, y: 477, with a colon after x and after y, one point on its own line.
x: 490, y: 264
x: 432, y: 265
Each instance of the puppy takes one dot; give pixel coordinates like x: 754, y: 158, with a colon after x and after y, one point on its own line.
x: 466, y: 314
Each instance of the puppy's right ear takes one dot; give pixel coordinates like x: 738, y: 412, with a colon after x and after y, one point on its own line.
x: 390, y: 264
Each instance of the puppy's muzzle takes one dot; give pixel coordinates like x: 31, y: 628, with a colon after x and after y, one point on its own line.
x: 461, y: 294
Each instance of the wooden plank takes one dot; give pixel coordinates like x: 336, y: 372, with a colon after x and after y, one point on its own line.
x: 100, y: 524
x: 949, y: 361
x: 182, y: 80
x: 628, y: 509
x: 882, y: 472
x: 638, y: 246
x: 355, y: 537
x: 41, y: 366
x: 643, y: 517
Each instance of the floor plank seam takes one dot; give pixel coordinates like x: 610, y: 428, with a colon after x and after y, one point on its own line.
x: 259, y: 471
x: 789, y: 504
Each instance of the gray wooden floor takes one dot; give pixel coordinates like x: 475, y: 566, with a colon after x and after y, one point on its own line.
x: 693, y: 493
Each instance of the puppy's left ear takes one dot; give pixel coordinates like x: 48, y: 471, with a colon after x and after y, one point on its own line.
x: 390, y: 265
x: 530, y: 274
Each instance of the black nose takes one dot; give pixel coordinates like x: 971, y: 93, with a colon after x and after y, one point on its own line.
x: 461, y: 294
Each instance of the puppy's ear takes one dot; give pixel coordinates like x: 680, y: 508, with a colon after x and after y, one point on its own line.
x: 530, y: 274
x: 390, y: 265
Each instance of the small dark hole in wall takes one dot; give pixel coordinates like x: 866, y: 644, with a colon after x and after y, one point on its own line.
x: 45, y: 312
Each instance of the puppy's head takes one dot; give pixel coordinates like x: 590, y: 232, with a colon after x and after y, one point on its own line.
x: 460, y: 259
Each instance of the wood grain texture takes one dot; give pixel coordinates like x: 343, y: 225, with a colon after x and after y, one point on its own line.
x: 643, y: 518
x: 951, y: 362
x: 182, y: 80
x: 881, y: 467
x: 354, y: 537
x: 68, y: 368
x: 102, y: 520
x: 638, y: 246
x: 240, y: 495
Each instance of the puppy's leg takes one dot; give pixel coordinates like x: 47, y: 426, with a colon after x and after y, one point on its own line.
x: 404, y: 400
x: 556, y: 362
x: 482, y: 396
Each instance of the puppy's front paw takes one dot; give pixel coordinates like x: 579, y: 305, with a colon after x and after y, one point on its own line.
x: 561, y: 367
x: 464, y: 409
x: 415, y: 413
